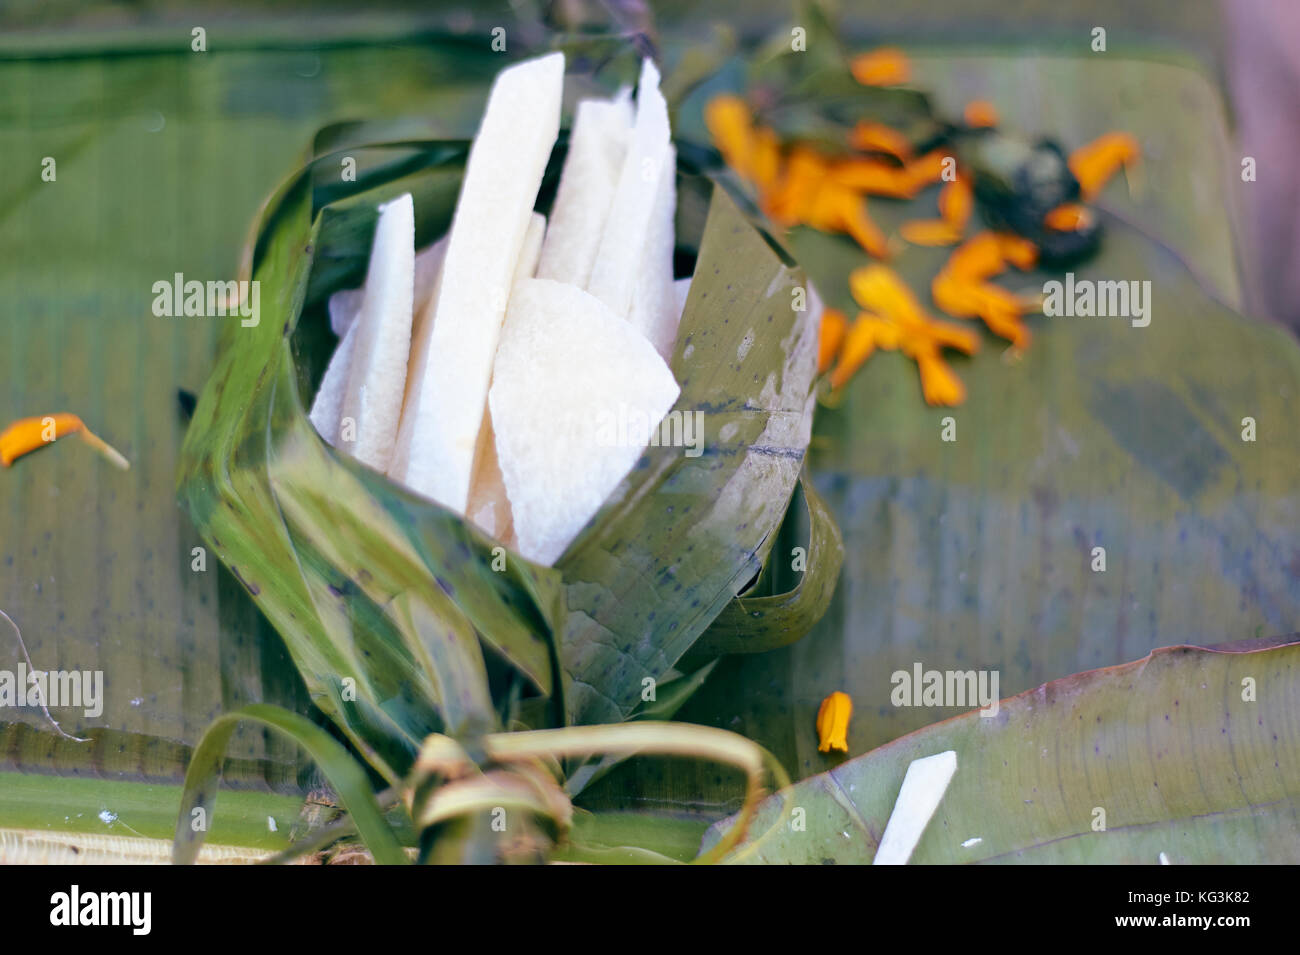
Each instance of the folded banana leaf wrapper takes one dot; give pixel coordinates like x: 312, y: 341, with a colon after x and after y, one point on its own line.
x: 405, y: 619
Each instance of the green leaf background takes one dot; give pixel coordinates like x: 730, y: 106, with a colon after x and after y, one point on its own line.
x: 969, y: 556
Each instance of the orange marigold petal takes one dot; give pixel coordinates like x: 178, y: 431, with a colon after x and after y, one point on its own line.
x: 730, y: 123
x: 957, y: 297
x: 1017, y: 250
x: 1095, y: 163
x: 927, y: 169
x: 930, y: 232
x: 879, y: 289
x: 834, y: 326
x: 1068, y: 217
x: 842, y: 210
x: 980, y: 114
x: 940, y: 385
x: 879, y: 138
x: 28, y: 434
x: 979, y: 257
x: 886, y: 66
x: 956, y: 202
x: 874, y: 178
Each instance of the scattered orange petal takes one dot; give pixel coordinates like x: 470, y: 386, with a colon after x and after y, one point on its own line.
x: 940, y: 385
x: 887, y: 66
x: 839, y: 209
x: 834, y: 326
x: 956, y: 202
x: 879, y: 138
x: 980, y: 114
x: 1068, y: 217
x: 930, y: 232
x: 730, y: 124
x: 875, y: 178
x: 1017, y: 250
x: 765, y: 162
x: 1095, y: 163
x: 978, y: 258
x: 927, y: 169
x: 29, y: 434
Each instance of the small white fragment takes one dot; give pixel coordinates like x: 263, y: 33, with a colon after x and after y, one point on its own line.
x: 107, y: 818
x: 1164, y: 859
x: 923, y: 787
x: 971, y: 842
x: 270, y: 824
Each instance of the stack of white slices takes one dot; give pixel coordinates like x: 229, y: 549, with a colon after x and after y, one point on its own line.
x: 483, y: 372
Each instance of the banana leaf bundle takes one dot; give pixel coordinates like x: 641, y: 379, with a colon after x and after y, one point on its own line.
x: 419, y: 634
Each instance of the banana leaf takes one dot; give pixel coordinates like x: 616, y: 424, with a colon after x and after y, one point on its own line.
x: 978, y: 554
x: 385, y: 600
x: 1188, y: 755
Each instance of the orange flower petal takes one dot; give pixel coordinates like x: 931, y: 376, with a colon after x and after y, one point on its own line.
x: 926, y: 169
x: 1068, y: 217
x: 28, y: 434
x: 930, y: 232
x: 956, y: 201
x: 980, y: 257
x: 980, y: 114
x: 837, y: 209
x: 731, y: 125
x: 940, y: 385
x: 1095, y: 163
x: 834, y: 326
x: 879, y: 138
x: 791, y: 200
x: 875, y: 178
x: 879, y: 289
x: 956, y: 296
x: 1017, y: 250
x: 887, y: 66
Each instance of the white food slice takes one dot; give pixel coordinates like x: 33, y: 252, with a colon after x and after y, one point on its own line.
x: 568, y: 372
x: 618, y: 263
x: 372, y: 401
x: 530, y: 250
x: 344, y: 305
x: 654, y: 312
x: 327, y: 406
x: 489, y: 505
x: 444, y: 413
x: 923, y: 787
x: 597, y: 147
